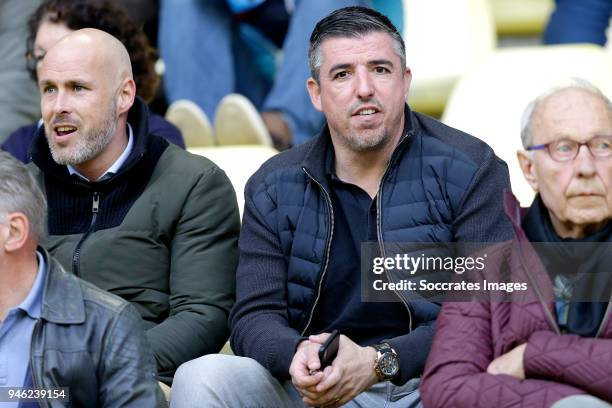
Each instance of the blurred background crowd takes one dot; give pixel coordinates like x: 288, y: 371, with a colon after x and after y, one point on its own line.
x: 226, y: 78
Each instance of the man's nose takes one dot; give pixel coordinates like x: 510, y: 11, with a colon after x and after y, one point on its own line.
x: 365, y: 85
x: 62, y: 104
x: 584, y: 162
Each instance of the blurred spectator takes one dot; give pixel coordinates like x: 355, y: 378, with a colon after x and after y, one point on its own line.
x: 207, y: 49
x: 54, y: 19
x: 146, y: 14
x: 18, y: 95
x: 579, y: 21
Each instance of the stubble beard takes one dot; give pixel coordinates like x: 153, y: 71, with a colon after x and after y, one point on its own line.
x: 364, y: 142
x: 367, y: 140
x: 90, y: 144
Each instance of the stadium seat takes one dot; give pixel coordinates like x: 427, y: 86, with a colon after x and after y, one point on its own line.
x: 192, y: 122
x: 444, y: 38
x: 237, y: 122
x: 488, y: 101
x: 238, y: 162
x: 227, y: 349
x: 521, y: 17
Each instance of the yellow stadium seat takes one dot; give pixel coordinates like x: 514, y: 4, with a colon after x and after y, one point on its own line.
x: 444, y: 38
x: 609, y: 36
x: 227, y: 349
x: 521, y: 17
x: 239, y: 162
x: 488, y: 101
x: 192, y: 122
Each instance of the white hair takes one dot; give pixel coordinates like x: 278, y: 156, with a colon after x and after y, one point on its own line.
x: 528, y: 113
x: 20, y: 192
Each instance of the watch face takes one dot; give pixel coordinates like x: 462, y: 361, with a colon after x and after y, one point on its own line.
x: 388, y: 365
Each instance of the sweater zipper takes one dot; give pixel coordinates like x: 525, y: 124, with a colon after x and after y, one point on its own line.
x: 379, y: 230
x: 76, y: 256
x: 330, y: 234
x: 36, y: 382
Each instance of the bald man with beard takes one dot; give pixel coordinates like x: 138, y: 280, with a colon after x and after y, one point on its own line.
x: 128, y: 212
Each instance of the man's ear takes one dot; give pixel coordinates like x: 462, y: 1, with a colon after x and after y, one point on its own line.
x: 16, y: 231
x: 314, y: 90
x: 527, y: 167
x: 407, y: 81
x: 127, y: 95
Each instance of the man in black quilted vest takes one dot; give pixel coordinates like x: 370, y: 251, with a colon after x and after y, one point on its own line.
x: 376, y: 173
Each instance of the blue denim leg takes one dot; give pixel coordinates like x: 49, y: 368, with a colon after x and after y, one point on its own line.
x: 198, y: 41
x: 578, y: 21
x: 288, y: 94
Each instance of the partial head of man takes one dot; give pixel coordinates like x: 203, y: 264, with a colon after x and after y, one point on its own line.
x: 39, y: 302
x: 86, y: 87
x: 567, y: 136
x: 359, y: 78
x: 23, y: 208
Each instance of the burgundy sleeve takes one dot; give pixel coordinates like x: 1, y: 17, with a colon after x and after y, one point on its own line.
x: 455, y: 373
x: 585, y: 363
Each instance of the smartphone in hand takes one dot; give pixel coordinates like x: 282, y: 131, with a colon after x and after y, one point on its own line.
x: 329, y: 350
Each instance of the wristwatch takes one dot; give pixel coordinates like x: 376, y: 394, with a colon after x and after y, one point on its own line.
x: 386, y: 365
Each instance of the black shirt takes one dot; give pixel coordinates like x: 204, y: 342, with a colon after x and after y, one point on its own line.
x: 340, y: 306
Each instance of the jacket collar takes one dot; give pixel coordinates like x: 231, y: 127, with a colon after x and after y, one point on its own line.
x: 524, y: 255
x: 314, y: 160
x: 62, y: 294
x: 138, y: 118
x: 516, y: 214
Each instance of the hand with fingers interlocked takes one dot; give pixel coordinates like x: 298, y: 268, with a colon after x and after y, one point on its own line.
x: 351, y: 373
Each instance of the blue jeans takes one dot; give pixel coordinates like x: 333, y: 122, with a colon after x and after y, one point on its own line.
x: 222, y: 381
x: 206, y: 59
x: 578, y: 21
x: 582, y: 401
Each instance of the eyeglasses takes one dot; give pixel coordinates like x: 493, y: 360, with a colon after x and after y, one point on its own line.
x: 566, y: 149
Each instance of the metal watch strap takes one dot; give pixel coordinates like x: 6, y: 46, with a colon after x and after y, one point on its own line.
x: 381, y: 349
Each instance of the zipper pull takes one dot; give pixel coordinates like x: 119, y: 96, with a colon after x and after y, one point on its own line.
x: 96, y: 203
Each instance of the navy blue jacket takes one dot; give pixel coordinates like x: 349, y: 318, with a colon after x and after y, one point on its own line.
x: 441, y: 185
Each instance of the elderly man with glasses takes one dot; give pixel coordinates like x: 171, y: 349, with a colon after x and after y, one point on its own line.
x: 551, y: 344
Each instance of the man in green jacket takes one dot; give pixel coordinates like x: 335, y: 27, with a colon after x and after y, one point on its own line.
x: 128, y: 212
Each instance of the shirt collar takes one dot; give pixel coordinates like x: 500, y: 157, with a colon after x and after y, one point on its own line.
x: 33, y: 302
x: 114, y: 168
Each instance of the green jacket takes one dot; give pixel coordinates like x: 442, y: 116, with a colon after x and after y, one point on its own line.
x: 161, y: 233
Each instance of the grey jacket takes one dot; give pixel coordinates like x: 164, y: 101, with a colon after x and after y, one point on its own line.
x: 93, y: 343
